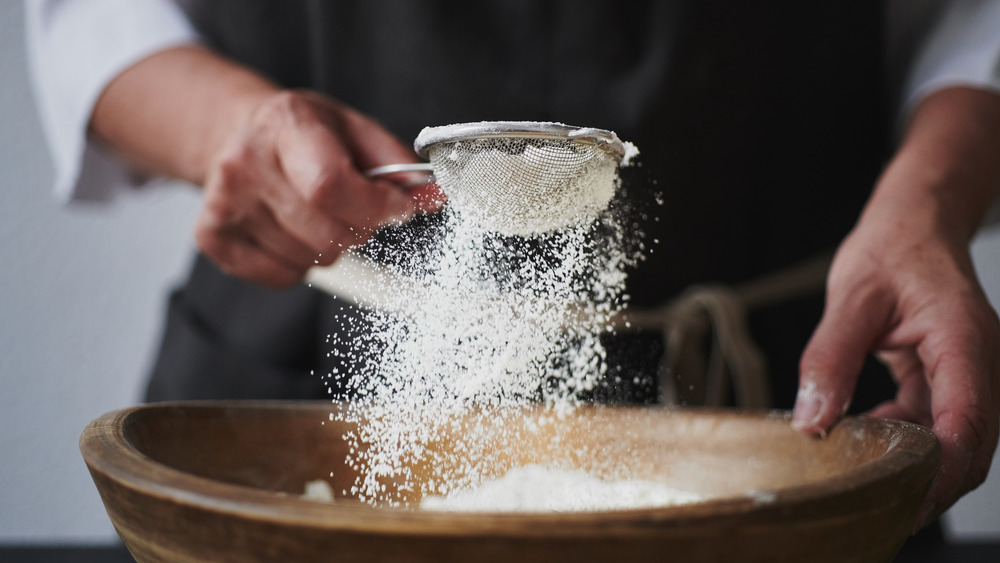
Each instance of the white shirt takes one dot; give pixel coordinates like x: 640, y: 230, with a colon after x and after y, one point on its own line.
x: 963, y: 50
x: 77, y: 46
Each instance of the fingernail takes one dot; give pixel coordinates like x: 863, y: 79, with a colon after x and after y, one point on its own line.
x: 808, y: 408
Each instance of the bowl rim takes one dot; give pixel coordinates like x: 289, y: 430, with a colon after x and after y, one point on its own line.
x: 108, y: 451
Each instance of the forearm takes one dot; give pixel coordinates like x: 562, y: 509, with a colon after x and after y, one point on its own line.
x: 282, y: 171
x: 947, y: 171
x: 903, y: 286
x: 170, y: 113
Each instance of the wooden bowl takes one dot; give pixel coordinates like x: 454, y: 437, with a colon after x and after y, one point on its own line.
x: 221, y: 481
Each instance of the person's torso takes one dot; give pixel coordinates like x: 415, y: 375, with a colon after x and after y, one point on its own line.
x: 760, y: 124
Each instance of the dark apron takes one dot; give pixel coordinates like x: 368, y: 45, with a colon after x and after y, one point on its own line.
x: 761, y: 124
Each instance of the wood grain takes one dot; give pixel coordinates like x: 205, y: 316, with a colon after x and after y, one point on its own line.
x: 220, y: 481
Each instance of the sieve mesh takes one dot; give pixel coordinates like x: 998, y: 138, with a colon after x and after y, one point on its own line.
x: 524, y: 178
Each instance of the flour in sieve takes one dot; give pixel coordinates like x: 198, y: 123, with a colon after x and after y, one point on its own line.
x: 521, y: 197
x: 521, y: 187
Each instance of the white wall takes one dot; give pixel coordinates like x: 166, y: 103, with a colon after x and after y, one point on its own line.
x: 81, y: 295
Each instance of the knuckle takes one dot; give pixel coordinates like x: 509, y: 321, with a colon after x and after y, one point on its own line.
x: 226, y: 203
x: 221, y: 213
x: 228, y: 179
x: 217, y: 249
x: 270, y: 118
x: 327, y: 187
x: 281, y: 105
x: 287, y: 107
x: 286, y: 100
x: 231, y: 168
x: 975, y: 429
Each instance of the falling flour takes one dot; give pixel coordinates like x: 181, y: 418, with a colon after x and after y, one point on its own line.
x: 481, y: 322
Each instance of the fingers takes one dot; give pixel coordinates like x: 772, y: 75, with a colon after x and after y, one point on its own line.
x: 913, y: 394
x: 327, y: 183
x: 967, y: 446
x: 288, y: 192
x: 255, y: 247
x: 239, y: 255
x: 238, y: 230
x: 370, y: 143
x: 322, y: 149
x: 832, y: 360
x: 964, y: 404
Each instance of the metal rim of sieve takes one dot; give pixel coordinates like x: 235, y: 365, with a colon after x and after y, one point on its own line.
x: 604, y: 139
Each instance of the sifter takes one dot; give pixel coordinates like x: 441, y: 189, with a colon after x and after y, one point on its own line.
x: 521, y: 178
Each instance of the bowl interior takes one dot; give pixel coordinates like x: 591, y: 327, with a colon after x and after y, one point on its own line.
x: 278, y: 447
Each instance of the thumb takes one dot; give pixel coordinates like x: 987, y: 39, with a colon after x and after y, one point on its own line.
x: 372, y: 145
x: 831, y: 362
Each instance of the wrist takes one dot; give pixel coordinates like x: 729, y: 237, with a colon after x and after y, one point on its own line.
x: 171, y: 113
x: 947, y: 171
x: 236, y: 105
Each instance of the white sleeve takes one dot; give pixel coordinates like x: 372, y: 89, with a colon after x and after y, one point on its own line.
x: 963, y: 49
x: 75, y: 48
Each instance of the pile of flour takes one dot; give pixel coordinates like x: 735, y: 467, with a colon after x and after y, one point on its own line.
x: 490, y: 324
x: 534, y: 488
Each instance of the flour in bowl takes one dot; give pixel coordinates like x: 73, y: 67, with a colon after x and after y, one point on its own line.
x: 534, y: 488
x: 482, y: 323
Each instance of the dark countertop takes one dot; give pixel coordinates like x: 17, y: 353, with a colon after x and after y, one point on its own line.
x: 915, y: 553
x: 65, y: 554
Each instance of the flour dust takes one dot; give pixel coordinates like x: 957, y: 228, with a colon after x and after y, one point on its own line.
x: 478, y: 323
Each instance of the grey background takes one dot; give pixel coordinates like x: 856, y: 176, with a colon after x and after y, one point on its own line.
x: 82, y: 289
